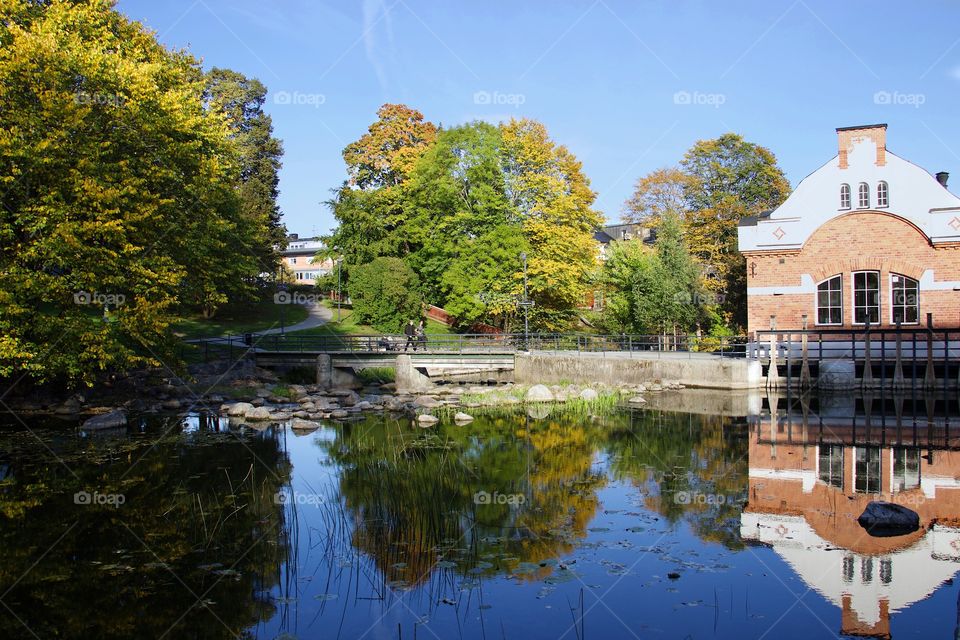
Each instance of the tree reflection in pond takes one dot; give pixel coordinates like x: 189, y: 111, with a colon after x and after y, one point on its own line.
x: 180, y: 528
x: 691, y: 468
x: 483, y: 500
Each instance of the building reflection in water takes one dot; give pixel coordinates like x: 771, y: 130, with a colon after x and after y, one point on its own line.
x: 815, y: 465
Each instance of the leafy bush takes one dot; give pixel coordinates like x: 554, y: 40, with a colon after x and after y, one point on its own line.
x: 385, y: 294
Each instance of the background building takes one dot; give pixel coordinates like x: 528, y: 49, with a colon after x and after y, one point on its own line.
x: 299, y: 258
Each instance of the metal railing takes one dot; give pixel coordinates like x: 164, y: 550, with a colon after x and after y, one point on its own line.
x: 829, y: 344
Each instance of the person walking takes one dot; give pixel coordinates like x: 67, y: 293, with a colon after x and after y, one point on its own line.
x: 421, y: 336
x: 411, y: 332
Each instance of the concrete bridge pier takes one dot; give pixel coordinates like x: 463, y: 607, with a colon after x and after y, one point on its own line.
x: 330, y: 377
x: 325, y: 371
x: 408, y: 379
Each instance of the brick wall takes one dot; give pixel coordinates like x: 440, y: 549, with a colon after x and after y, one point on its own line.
x: 861, y: 240
x: 848, y: 136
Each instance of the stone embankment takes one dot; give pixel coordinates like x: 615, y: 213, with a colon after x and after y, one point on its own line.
x: 254, y: 395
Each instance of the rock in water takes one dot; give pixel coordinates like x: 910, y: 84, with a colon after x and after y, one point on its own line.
x: 885, y: 519
x: 462, y: 418
x: 112, y: 420
x: 426, y: 420
x: 257, y: 413
x: 303, y: 427
x: 239, y: 409
x: 426, y: 402
x: 589, y: 395
x: 539, y: 393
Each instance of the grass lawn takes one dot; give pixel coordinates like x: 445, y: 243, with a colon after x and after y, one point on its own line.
x: 348, y: 326
x: 240, y: 318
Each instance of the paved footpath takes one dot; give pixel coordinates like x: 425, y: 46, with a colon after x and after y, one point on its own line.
x: 318, y: 315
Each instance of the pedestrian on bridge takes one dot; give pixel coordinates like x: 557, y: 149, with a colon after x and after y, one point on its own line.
x: 421, y: 336
x: 411, y: 332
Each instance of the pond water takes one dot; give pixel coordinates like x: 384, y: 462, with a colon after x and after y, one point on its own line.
x: 736, y: 523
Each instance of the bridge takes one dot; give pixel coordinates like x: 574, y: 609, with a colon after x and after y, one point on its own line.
x: 486, y: 357
x: 867, y: 357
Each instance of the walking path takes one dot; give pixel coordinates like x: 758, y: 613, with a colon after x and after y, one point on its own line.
x: 317, y: 315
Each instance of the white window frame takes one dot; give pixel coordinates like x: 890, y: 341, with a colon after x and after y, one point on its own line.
x: 846, y: 198
x: 892, y: 305
x: 883, y: 188
x: 863, y: 196
x: 853, y: 297
x: 816, y: 303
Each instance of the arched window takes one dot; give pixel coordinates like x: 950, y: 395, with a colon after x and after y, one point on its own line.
x: 830, y: 301
x: 844, y: 196
x: 904, y: 299
x: 883, y: 194
x: 863, y: 191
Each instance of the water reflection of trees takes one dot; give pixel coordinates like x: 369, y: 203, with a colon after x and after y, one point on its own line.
x: 198, y: 535
x: 410, y: 494
x: 688, y: 467
x: 414, y: 499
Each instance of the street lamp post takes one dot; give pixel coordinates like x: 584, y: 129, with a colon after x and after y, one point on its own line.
x: 525, y: 303
x: 282, y: 288
x: 339, y: 268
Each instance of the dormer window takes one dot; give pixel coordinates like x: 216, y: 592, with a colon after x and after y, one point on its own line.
x: 844, y: 196
x: 883, y: 198
x: 863, y: 196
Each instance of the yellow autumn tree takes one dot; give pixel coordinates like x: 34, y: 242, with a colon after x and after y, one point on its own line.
x: 553, y: 198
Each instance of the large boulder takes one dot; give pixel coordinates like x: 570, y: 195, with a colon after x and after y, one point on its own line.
x: 539, y: 393
x: 113, y: 420
x: 239, y: 409
x: 885, y: 519
x: 257, y: 414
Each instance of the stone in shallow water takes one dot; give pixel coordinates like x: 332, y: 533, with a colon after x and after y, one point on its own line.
x: 539, y: 393
x: 112, y: 420
x: 426, y: 419
x: 589, y: 395
x: 257, y: 413
x: 461, y: 417
x: 884, y: 519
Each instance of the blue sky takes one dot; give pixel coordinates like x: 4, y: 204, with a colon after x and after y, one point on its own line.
x: 627, y: 86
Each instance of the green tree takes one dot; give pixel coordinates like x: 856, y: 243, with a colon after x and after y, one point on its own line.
x: 729, y: 178
x: 653, y: 290
x: 240, y: 101
x: 115, y: 181
x: 463, y: 231
x: 385, y: 293
x: 718, y: 183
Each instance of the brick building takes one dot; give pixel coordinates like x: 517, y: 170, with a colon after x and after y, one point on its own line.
x: 867, y: 238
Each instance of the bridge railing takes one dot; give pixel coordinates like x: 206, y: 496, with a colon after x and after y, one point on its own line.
x: 484, y: 343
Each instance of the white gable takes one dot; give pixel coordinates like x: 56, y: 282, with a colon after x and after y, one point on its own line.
x: 914, y: 194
